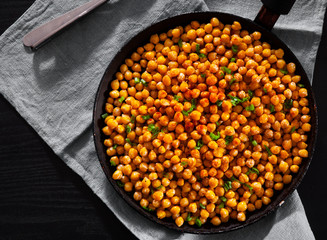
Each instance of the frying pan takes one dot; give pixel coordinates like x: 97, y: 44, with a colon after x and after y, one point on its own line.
x: 263, y: 23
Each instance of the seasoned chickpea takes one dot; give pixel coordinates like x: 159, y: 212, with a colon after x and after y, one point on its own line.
x: 206, y: 121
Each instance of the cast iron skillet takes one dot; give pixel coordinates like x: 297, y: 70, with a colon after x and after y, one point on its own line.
x: 163, y: 26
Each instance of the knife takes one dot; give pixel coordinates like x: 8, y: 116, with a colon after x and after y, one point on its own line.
x: 42, y: 34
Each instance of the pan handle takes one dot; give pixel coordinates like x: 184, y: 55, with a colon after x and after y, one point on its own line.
x: 271, y: 10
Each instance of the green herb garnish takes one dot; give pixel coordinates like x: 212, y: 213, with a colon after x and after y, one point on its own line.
x: 250, y: 108
x: 227, y: 185
x: 146, y: 117
x: 232, y: 81
x: 128, y: 129
x: 176, y: 97
x: 133, y: 119
x: 154, y: 130
x: 148, y: 209
x: 202, y: 206
x: 137, y: 80
x: 193, y: 101
x: 184, y: 163
x: 254, y: 143
x: 234, y: 179
x: 253, y: 170
x: 271, y: 108
x: 122, y: 99
x: 203, y: 75
x: 128, y: 140
x: 115, y: 146
x: 188, y: 218
x: 197, y: 48
x: 219, y: 103
x: 185, y: 113
x: 199, y: 144
x: 104, y: 115
x: 292, y: 130
x: 265, y: 90
x: 226, y: 70
x: 202, y: 55
x: 228, y: 139
x: 288, y: 104
x: 217, y: 124
x: 112, y: 163
x: 283, y: 71
x: 247, y: 185
x: 214, y: 136
x: 198, y: 222
x: 234, y: 48
x: 232, y: 60
x: 144, y: 82
x: 250, y: 93
x: 159, y: 187
x: 222, y: 74
x: 223, y: 199
x: 120, y: 184
x: 301, y: 85
x: 221, y: 205
x: 180, y: 42
x: 236, y: 100
x: 268, y: 150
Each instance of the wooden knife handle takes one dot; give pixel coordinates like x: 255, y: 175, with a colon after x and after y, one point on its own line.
x: 40, y: 35
x: 271, y: 10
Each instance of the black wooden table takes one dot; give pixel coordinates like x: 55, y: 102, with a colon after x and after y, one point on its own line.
x: 41, y: 198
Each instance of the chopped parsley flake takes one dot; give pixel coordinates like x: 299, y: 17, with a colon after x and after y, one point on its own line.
x: 234, y: 48
x: 154, y: 130
x: 292, y: 130
x: 120, y: 184
x: 184, y: 163
x: 283, y: 71
x: 228, y: 139
x: 144, y: 82
x: 202, y: 206
x: 214, y: 136
x: 271, y: 108
x: 219, y: 103
x: 122, y: 99
x: 232, y: 81
x: 146, y: 117
x: 176, y: 97
x: 198, y: 222
x: 288, y: 104
x: 128, y: 129
x: 226, y: 70
x: 180, y: 43
x: 189, y: 217
x: 250, y: 108
x: 268, y: 150
x: 199, y: 144
x: 148, y: 209
x: 104, y: 115
x: 227, y: 185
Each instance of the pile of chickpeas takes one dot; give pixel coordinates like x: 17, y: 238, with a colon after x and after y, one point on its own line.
x: 206, y: 123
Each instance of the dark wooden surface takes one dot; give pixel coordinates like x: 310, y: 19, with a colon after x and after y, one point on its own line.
x: 41, y: 198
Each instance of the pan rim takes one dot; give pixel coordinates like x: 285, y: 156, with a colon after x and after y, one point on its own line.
x: 272, y: 207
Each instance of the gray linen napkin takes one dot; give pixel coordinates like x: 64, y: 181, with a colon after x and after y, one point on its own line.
x: 54, y: 90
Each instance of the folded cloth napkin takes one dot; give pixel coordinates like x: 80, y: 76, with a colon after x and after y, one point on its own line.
x: 54, y: 90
